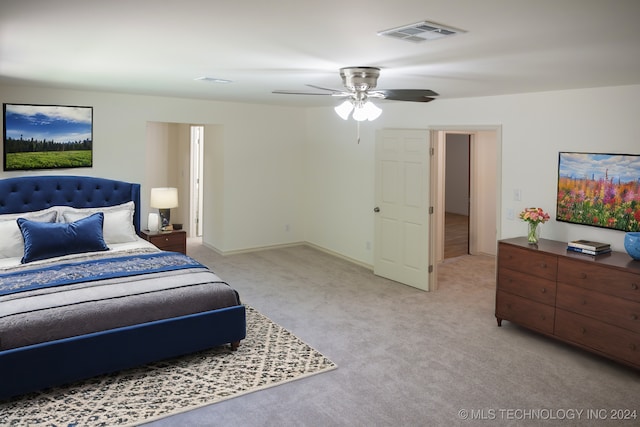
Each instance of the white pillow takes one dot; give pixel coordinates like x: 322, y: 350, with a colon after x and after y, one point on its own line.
x: 118, y: 221
x: 12, y: 243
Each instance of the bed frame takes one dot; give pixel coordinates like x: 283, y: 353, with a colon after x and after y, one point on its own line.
x: 59, y: 362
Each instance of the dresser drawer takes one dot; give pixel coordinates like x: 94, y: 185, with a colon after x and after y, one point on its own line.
x: 611, y: 281
x: 535, y: 288
x: 525, y: 312
x: 167, y: 240
x: 173, y: 241
x: 607, y: 339
x: 608, y: 309
x: 528, y: 261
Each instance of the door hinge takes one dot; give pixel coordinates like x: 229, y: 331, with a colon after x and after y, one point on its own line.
x: 432, y: 151
x: 430, y: 210
x: 431, y: 268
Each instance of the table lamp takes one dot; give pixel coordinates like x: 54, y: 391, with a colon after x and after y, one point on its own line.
x: 164, y: 198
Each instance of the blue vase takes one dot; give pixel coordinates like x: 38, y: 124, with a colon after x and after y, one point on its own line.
x: 632, y: 244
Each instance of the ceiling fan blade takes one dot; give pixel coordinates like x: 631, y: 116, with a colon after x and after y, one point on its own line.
x: 325, y: 88
x: 414, y: 95
x: 299, y: 92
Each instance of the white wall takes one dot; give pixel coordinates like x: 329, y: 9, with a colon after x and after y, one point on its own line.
x: 485, y: 182
x: 304, y: 168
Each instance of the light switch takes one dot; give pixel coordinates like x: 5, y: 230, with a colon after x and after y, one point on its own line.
x: 517, y: 195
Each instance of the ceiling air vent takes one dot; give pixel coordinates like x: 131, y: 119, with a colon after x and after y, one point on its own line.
x: 420, y: 32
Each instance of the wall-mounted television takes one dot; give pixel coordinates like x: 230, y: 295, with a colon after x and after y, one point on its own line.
x: 47, y: 136
x: 600, y: 190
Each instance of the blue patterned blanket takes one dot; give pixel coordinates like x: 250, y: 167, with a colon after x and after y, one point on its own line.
x: 85, y: 271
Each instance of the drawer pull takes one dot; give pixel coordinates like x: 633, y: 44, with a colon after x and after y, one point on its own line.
x: 634, y: 317
x: 542, y: 317
x: 583, y: 275
x: 543, y: 290
x: 166, y: 239
x: 634, y: 286
x: 584, y: 302
x: 543, y: 265
x: 632, y: 346
x: 583, y: 330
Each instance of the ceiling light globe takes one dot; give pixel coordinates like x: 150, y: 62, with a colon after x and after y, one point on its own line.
x: 372, y: 112
x: 344, y: 109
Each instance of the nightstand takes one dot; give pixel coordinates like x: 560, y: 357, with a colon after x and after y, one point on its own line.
x: 175, y: 241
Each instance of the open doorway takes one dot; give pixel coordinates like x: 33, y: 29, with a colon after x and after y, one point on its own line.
x: 484, y: 192
x: 195, y: 181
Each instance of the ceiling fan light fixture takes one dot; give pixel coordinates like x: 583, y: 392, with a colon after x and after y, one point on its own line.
x: 366, y: 111
x: 371, y: 111
x: 359, y: 114
x: 361, y: 110
x: 344, y: 109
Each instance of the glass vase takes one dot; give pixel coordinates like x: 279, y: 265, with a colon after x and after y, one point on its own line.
x: 533, y: 233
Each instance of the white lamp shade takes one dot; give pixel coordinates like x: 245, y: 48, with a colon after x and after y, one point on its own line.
x: 371, y: 110
x: 164, y: 198
x: 344, y: 109
x: 368, y: 111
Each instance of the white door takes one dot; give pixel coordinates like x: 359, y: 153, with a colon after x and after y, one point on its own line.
x: 401, y: 242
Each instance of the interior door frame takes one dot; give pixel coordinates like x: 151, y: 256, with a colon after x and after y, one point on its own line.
x: 437, y: 189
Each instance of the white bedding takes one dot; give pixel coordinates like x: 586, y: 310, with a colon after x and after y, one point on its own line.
x: 114, y: 248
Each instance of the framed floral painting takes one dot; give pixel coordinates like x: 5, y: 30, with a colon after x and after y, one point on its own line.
x: 600, y: 190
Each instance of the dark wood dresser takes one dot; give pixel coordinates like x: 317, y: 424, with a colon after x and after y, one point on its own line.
x: 590, y: 302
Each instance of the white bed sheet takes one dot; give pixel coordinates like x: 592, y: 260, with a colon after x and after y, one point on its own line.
x: 8, y: 263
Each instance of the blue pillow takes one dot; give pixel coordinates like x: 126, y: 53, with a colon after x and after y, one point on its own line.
x: 44, y: 240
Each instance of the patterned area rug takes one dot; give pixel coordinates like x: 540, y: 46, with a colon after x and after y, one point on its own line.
x: 269, y: 356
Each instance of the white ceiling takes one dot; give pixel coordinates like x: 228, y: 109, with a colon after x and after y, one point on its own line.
x: 159, y: 47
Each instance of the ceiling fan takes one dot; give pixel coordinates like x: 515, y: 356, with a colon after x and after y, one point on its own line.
x: 360, y: 86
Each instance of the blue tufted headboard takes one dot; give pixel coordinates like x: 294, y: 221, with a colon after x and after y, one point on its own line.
x: 33, y: 193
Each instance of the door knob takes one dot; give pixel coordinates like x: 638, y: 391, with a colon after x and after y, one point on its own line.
x: 376, y: 209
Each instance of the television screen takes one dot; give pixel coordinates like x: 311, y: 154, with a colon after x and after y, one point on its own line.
x: 47, y: 137
x: 600, y: 190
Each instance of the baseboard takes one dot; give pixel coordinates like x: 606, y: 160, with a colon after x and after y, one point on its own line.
x: 252, y: 249
x: 339, y: 255
x: 289, y: 245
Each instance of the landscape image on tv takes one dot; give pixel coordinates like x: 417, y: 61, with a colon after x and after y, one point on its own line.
x: 47, y: 137
x: 601, y: 190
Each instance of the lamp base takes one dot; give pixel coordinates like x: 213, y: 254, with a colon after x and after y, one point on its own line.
x: 165, y: 218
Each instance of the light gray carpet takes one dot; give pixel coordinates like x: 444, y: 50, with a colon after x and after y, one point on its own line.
x: 406, y: 357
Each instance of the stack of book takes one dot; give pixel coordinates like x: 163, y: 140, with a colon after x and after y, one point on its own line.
x: 588, y: 247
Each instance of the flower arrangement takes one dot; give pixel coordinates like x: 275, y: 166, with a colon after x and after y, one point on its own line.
x: 534, y: 216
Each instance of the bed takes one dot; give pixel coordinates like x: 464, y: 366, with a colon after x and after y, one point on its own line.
x: 82, y: 295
